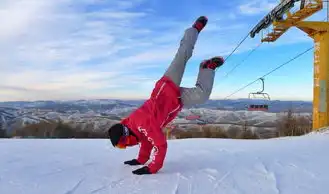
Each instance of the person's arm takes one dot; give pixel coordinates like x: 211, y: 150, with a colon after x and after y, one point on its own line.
x: 158, y: 158
x: 144, y: 152
x: 158, y: 141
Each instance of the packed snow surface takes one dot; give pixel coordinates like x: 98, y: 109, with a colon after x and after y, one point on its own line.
x: 277, y: 166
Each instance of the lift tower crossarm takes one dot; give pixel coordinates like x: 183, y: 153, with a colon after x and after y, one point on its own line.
x: 280, y: 27
x: 276, y: 14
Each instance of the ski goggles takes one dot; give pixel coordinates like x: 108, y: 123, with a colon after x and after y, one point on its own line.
x: 122, y: 144
x: 126, y: 141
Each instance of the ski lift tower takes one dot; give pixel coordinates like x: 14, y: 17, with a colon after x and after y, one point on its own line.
x: 319, y: 32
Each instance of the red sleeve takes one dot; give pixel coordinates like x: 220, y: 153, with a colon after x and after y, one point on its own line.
x: 158, y: 158
x: 159, y: 142
x: 144, y: 151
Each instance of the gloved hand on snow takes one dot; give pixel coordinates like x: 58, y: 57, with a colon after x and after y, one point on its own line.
x: 141, y: 171
x: 133, y: 162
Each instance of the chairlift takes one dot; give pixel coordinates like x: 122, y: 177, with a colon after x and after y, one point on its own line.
x: 253, y: 96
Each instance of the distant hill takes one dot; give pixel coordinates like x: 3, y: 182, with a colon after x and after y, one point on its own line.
x: 102, y: 113
x: 105, y: 105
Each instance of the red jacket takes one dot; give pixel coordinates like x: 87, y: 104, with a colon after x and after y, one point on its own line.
x: 148, y: 121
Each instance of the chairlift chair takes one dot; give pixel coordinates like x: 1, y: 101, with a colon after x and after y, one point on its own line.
x: 259, y: 106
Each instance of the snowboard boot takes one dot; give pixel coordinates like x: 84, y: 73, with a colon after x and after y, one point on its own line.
x: 200, y: 23
x: 212, y: 63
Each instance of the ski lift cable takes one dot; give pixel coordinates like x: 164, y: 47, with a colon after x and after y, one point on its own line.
x: 254, y: 49
x: 240, y: 43
x: 270, y: 72
x: 326, y: 18
x: 248, y: 34
x: 238, y: 64
x: 243, y: 60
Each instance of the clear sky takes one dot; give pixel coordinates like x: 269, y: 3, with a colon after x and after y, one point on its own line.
x: 89, y: 49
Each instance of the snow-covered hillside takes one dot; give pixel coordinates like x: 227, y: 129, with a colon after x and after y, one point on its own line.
x: 226, y: 116
x: 100, y: 113
x: 284, y: 166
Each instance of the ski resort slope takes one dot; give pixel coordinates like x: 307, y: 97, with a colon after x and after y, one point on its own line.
x: 205, y: 166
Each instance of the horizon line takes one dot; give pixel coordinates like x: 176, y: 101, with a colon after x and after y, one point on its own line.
x: 138, y: 99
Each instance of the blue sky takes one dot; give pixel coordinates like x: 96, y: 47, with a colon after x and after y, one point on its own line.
x: 89, y: 49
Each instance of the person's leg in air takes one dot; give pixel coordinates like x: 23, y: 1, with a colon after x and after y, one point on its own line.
x: 204, y: 85
x: 177, y: 67
x: 203, y: 88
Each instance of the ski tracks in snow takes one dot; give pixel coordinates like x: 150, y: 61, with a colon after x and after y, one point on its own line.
x: 271, y: 175
x: 189, y: 184
x: 221, y: 180
x: 178, y: 188
x: 76, y: 186
x: 127, y: 182
x: 112, y: 184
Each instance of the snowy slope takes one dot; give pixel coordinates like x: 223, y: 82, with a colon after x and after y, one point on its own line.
x: 276, y: 166
x: 256, y: 118
x: 230, y: 116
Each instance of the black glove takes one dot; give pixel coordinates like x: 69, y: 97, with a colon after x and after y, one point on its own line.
x: 141, y: 171
x: 133, y: 162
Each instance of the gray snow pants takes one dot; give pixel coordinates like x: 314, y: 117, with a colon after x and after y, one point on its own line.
x: 204, y: 84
